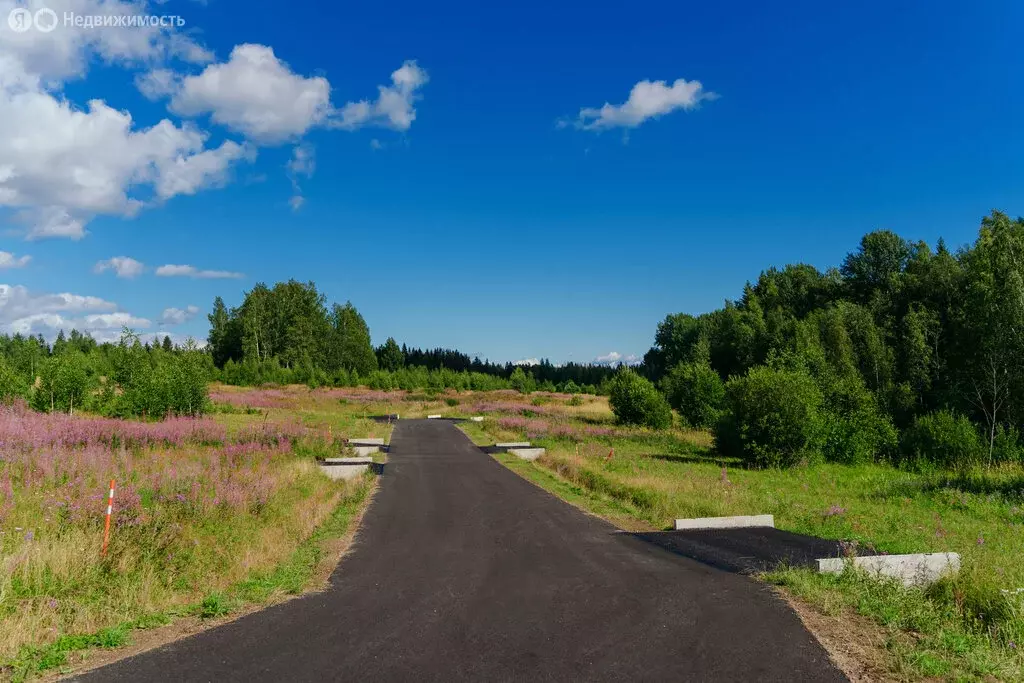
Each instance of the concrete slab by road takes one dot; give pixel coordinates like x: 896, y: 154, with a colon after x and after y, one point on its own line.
x: 527, y: 453
x: 462, y: 571
x: 366, y: 442
x: 913, y: 570
x: 346, y: 468
x: 735, y: 522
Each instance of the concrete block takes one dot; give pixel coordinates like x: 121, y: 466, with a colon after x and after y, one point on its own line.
x: 476, y: 419
x: 365, y: 450
x: 527, y: 453
x: 513, y: 444
x: 912, y: 570
x: 365, y: 442
x: 739, y: 522
x: 433, y: 417
x: 345, y: 468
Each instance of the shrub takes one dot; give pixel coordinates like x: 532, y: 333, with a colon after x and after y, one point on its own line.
x: 63, y: 383
x: 570, y: 387
x: 1007, y: 445
x: 451, y: 402
x: 522, y: 382
x: 12, y: 385
x: 576, y: 400
x: 855, y: 431
x: 942, y: 438
x: 634, y: 400
x: 772, y: 418
x: 696, y: 391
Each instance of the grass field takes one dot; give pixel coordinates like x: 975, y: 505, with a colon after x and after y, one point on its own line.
x: 210, y: 516
x: 216, y: 514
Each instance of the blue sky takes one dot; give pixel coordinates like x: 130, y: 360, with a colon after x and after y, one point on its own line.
x: 435, y: 164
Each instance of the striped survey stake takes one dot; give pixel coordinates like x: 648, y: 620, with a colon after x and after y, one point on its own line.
x: 106, y: 527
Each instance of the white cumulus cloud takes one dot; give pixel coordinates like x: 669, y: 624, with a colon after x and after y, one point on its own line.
x: 187, y: 175
x: 64, y: 54
x: 393, y: 107
x: 301, y: 165
x: 171, y: 270
x: 62, y: 164
x: 178, y: 316
x: 9, y: 260
x: 647, y: 100
x: 158, y: 83
x: 616, y: 358
x: 25, y: 312
x: 123, y: 266
x: 256, y: 94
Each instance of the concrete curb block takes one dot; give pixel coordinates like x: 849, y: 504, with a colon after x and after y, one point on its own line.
x: 527, y: 453
x: 363, y: 451
x: 433, y: 417
x: 913, y: 570
x: 365, y: 442
x: 476, y: 419
x: 345, y: 468
x: 513, y: 444
x: 739, y: 522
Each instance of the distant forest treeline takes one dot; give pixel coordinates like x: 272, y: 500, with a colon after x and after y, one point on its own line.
x: 287, y: 333
x: 129, y: 378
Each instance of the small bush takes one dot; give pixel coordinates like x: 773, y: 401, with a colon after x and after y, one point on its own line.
x: 943, y: 438
x: 451, y: 402
x: 576, y: 400
x: 522, y: 382
x: 855, y: 431
x: 634, y: 400
x: 772, y: 418
x: 570, y: 387
x: 696, y: 391
x: 12, y: 385
x: 1007, y: 446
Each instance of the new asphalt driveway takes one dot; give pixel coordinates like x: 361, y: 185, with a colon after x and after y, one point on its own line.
x: 462, y: 571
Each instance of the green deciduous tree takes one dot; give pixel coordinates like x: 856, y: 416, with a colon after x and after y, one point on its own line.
x: 390, y: 355
x: 636, y: 401
x: 773, y: 417
x: 696, y: 392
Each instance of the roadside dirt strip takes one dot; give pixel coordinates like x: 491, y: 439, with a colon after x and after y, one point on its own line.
x: 463, y: 571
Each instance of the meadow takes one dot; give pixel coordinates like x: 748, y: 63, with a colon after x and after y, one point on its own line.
x: 211, y: 515
x: 218, y: 513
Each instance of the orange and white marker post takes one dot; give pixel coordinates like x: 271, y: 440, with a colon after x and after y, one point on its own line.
x: 106, y: 527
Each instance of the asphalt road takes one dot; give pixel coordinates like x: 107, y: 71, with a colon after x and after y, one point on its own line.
x: 462, y: 571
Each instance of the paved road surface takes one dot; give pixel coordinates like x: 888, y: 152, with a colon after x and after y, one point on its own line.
x: 462, y: 571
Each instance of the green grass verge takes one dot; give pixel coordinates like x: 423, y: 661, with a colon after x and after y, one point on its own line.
x: 290, y: 577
